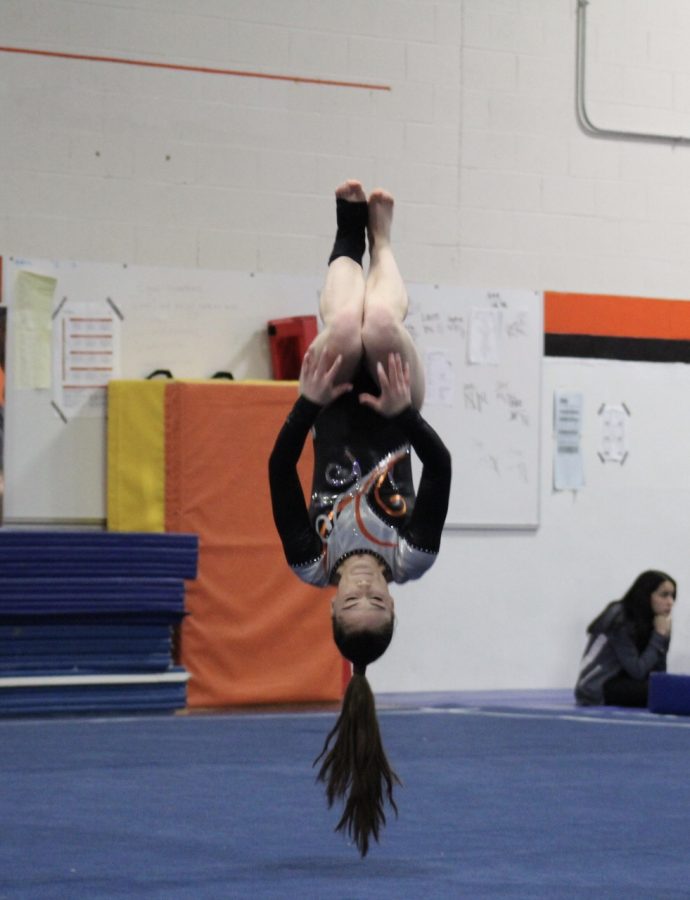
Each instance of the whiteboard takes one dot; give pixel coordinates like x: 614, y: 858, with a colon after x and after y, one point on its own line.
x: 197, y: 322
x: 482, y: 354
x: 192, y: 322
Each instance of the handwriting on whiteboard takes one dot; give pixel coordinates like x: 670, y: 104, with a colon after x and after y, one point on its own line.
x: 484, y: 327
x: 510, y: 464
x: 477, y: 399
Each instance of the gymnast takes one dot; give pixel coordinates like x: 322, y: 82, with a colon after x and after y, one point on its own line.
x: 361, y: 388
x: 627, y: 641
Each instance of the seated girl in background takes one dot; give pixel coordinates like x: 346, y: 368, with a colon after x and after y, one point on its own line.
x: 627, y: 641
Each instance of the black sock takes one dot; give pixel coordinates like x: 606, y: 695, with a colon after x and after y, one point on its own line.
x: 352, y: 218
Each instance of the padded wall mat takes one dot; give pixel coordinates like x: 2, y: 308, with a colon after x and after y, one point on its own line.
x: 255, y: 633
x: 136, y: 456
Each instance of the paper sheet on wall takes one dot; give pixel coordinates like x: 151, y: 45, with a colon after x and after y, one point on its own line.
x: 483, y: 336
x: 614, y: 444
x: 86, y: 355
x: 568, y: 468
x: 440, y: 378
x: 31, y: 322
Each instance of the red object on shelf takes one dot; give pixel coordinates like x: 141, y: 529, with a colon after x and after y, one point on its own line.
x: 289, y: 339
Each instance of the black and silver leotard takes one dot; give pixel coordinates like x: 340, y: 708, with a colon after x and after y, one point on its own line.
x: 363, y: 498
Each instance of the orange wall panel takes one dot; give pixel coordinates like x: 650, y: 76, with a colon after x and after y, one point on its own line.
x: 612, y: 316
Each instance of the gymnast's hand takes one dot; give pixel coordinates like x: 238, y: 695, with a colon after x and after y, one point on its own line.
x: 395, y: 388
x: 317, y: 378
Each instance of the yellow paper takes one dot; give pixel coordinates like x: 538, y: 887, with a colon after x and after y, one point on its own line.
x: 32, y: 325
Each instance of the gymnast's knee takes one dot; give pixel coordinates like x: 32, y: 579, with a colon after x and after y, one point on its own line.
x: 380, y: 333
x: 344, y: 335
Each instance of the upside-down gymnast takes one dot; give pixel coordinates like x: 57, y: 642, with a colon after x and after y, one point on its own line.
x: 361, y: 388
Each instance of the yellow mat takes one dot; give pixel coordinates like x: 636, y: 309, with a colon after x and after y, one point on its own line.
x: 136, y: 456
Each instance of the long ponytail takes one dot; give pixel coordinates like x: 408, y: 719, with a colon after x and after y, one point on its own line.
x: 355, y: 767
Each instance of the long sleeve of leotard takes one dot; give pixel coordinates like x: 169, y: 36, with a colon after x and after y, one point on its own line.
x: 300, y: 542
x: 431, y: 506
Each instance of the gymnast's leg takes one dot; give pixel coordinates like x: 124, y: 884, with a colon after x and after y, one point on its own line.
x: 385, y: 300
x: 342, y: 298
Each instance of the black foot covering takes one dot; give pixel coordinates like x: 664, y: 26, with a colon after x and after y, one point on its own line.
x: 352, y: 220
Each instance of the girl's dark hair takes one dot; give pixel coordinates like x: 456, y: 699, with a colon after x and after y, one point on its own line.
x: 355, y: 767
x: 637, y: 605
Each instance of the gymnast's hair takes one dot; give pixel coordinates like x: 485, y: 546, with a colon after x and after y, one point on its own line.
x: 355, y: 767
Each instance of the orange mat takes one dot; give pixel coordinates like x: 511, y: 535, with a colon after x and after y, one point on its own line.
x: 255, y: 633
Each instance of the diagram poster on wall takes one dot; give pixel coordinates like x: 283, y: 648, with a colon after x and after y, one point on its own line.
x: 86, y: 355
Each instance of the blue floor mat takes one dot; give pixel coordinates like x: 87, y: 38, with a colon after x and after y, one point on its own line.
x: 498, y: 801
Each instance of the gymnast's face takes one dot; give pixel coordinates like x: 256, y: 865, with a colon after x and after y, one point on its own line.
x: 663, y: 598
x: 362, y: 599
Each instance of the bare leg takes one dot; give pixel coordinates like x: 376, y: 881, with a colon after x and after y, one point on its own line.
x: 342, y: 302
x: 385, y: 300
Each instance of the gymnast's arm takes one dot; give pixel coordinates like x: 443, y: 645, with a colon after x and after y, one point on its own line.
x: 431, y: 505
x: 300, y: 542
x: 318, y: 388
x: 423, y: 531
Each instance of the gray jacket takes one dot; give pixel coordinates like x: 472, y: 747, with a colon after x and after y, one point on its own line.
x: 611, y: 651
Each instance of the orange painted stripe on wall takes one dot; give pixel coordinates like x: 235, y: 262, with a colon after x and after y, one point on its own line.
x: 206, y: 70
x: 612, y: 316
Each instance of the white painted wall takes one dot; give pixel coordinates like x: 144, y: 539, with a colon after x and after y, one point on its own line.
x: 496, y: 185
x: 504, y: 609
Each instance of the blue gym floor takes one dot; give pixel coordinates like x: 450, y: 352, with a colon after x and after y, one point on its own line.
x: 505, y: 795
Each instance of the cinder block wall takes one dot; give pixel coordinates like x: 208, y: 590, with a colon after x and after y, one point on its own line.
x: 465, y: 109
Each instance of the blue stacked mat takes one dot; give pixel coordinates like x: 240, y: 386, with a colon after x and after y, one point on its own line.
x: 43, y: 694
x: 68, y: 644
x: 90, y: 596
x: 87, y: 620
x: 97, y: 554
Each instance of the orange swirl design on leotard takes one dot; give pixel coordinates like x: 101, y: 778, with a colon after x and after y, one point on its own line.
x: 375, y: 479
x: 365, y: 531
x: 400, y: 507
